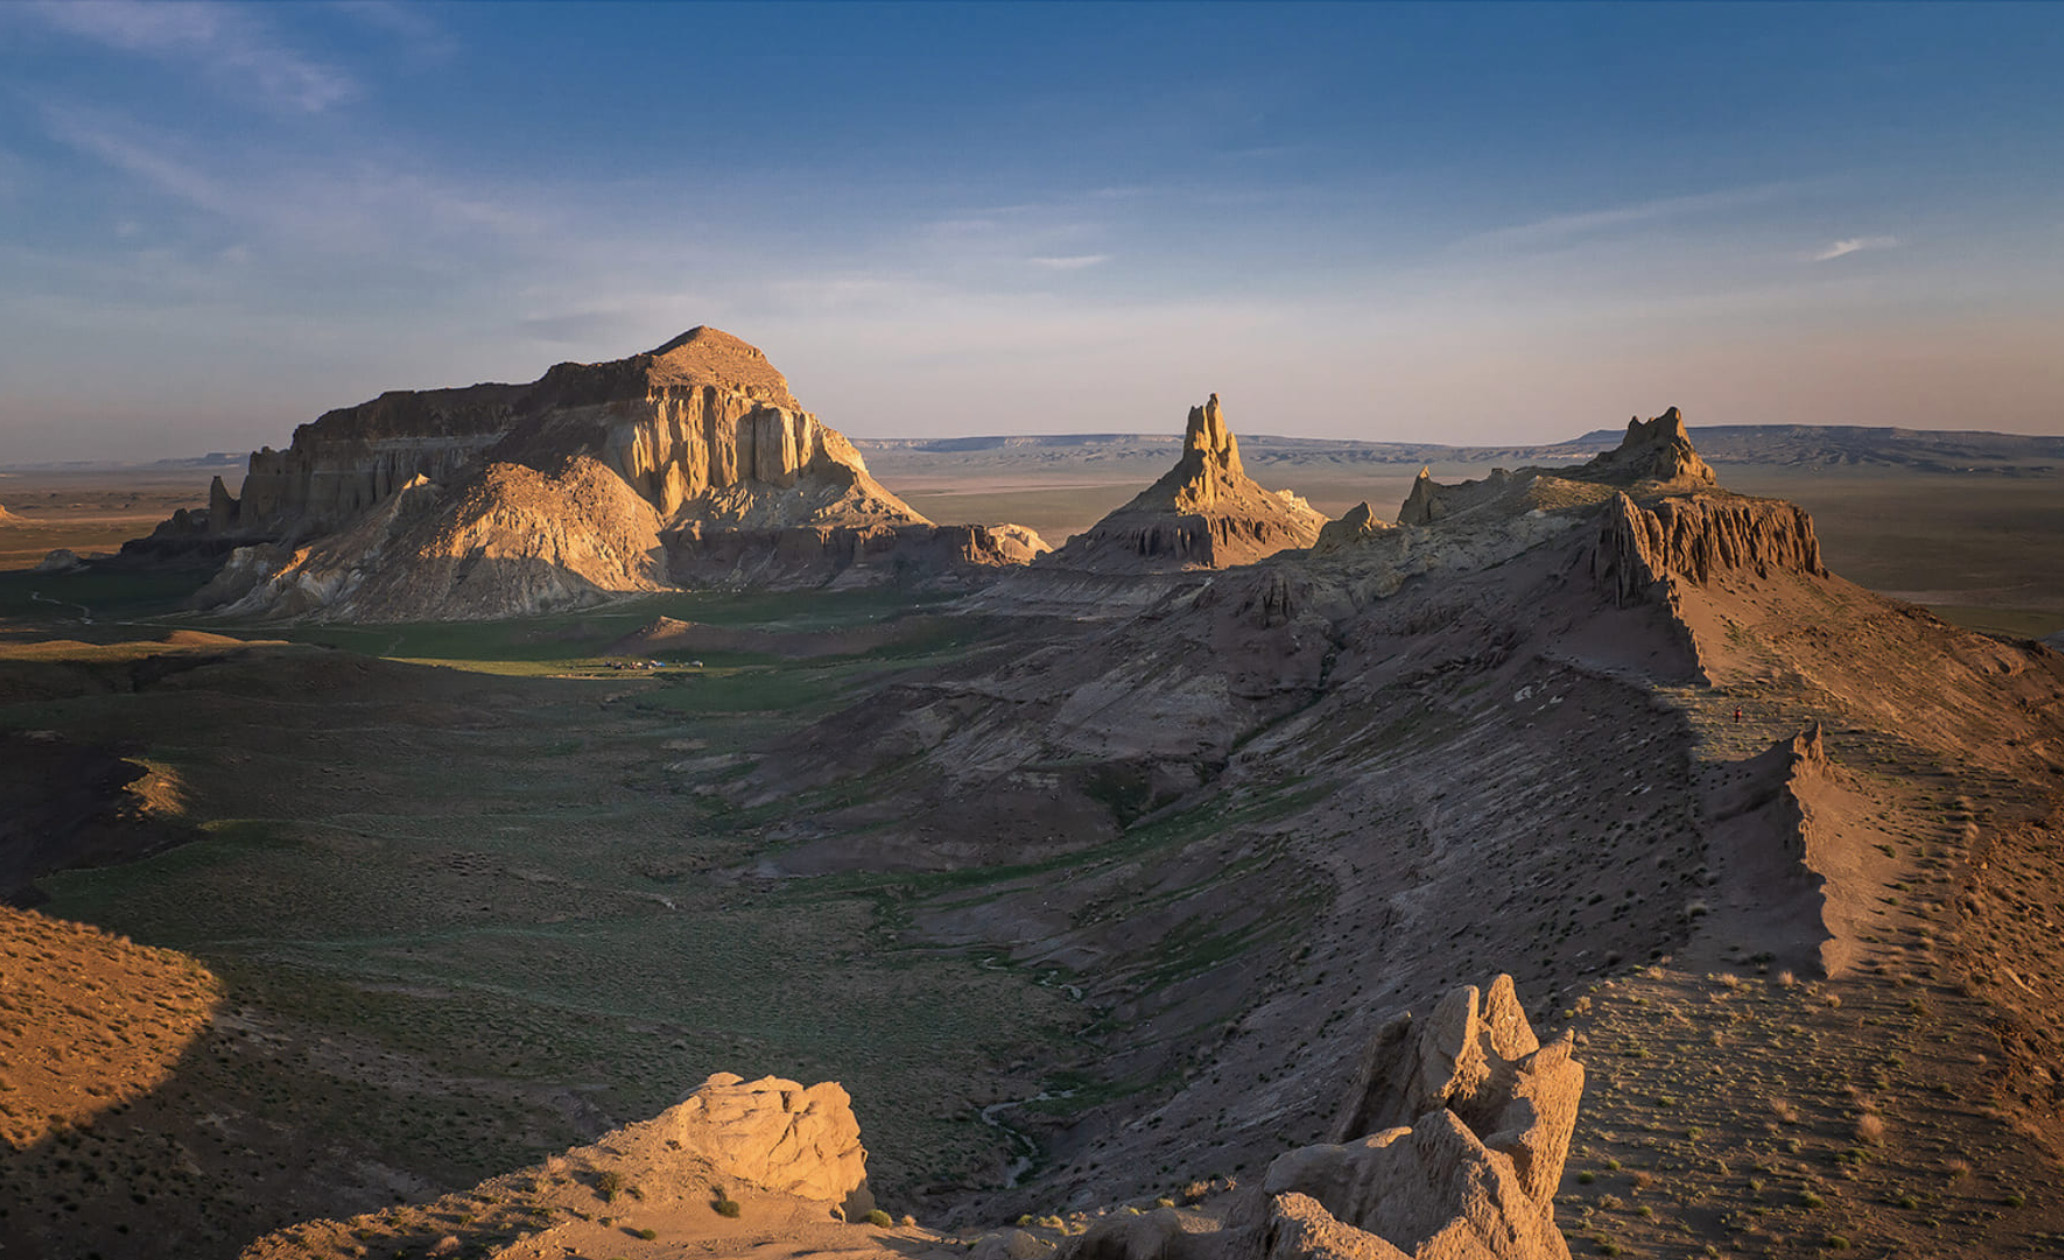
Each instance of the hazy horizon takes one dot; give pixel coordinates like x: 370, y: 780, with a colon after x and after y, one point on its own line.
x: 1471, y: 225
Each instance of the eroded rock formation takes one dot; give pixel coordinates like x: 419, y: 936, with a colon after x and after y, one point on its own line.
x: 1359, y: 522
x: 690, y: 464
x: 1204, y: 513
x: 774, y: 1134
x: 1449, y: 1145
x: 1655, y: 450
x: 1655, y: 456
x: 792, y: 1151
x: 1701, y: 538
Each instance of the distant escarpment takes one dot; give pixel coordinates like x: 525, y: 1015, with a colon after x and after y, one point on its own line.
x: 688, y: 465
x: 1204, y: 513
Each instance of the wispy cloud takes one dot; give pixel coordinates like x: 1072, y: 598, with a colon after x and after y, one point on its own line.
x: 233, y: 44
x: 1854, y: 245
x: 418, y: 34
x: 138, y: 158
x: 1564, y: 227
x: 1070, y: 262
x: 356, y: 206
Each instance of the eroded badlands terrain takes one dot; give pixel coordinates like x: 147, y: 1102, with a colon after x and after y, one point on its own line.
x: 1103, y: 912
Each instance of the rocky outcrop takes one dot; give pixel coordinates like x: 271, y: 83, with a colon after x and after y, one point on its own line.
x: 792, y: 1152
x: 691, y: 464
x: 1449, y: 1145
x: 507, y: 542
x: 1656, y: 450
x: 774, y: 1134
x: 1359, y: 522
x: 354, y: 457
x: 1205, y: 513
x: 1701, y: 538
x: 1655, y: 456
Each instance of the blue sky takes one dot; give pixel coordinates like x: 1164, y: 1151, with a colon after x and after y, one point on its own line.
x: 1465, y: 223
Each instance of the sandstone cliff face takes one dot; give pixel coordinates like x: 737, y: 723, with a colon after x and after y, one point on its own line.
x: 704, y: 412
x: 1701, y: 538
x: 689, y: 464
x: 1205, y: 513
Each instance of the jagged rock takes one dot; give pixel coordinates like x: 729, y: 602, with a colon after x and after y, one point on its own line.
x: 1449, y: 1146
x: 1700, y: 538
x: 1359, y: 522
x: 1655, y: 450
x: 1205, y: 513
x: 774, y: 1134
x: 1471, y: 1120
x: 690, y: 464
x: 1421, y: 505
x: 1655, y: 455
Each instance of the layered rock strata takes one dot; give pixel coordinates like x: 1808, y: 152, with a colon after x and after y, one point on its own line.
x: 1204, y: 513
x: 1701, y: 538
x: 690, y: 464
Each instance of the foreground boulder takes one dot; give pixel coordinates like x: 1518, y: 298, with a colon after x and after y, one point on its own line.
x: 775, y: 1134
x: 1449, y: 1146
x: 732, y: 1162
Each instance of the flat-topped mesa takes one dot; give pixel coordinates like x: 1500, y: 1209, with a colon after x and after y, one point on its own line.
x: 1204, y: 513
x: 706, y: 400
x: 691, y: 464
